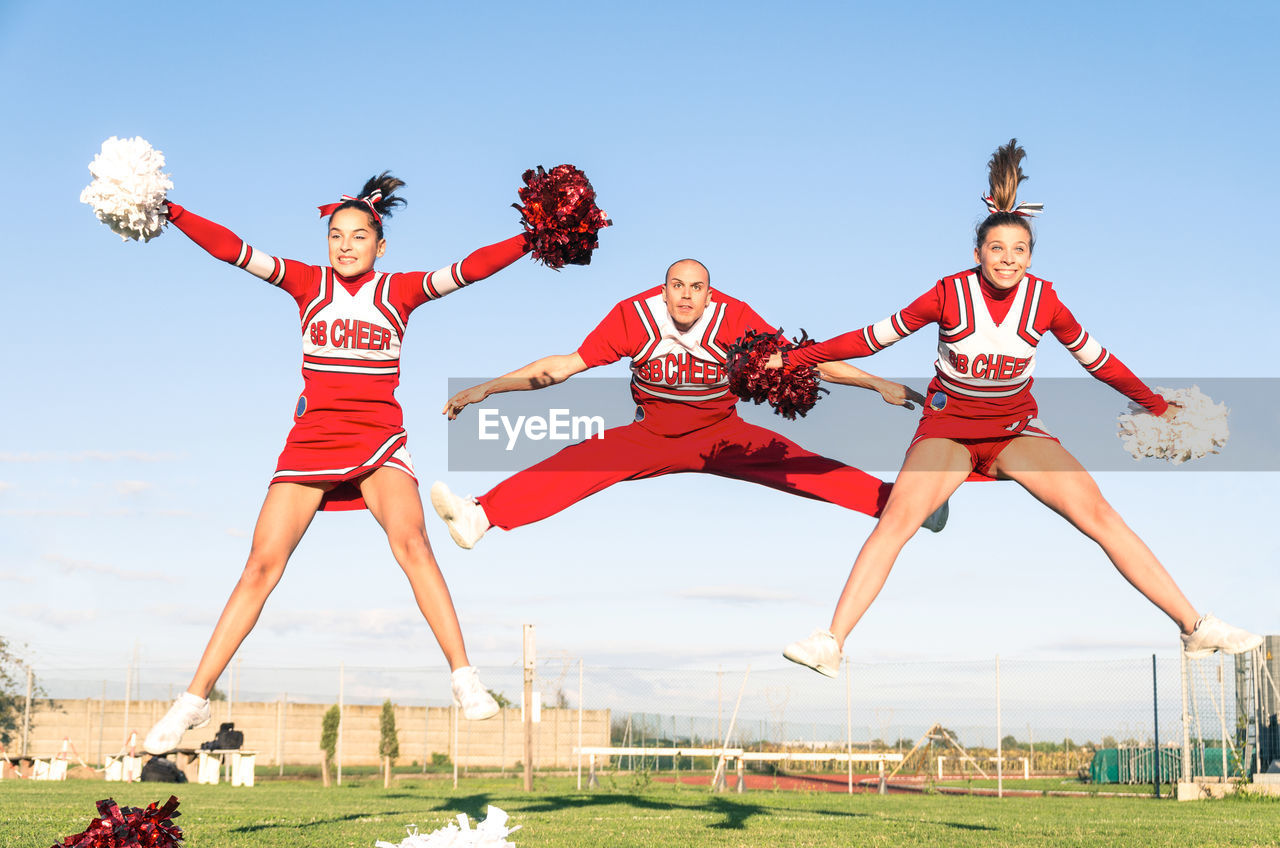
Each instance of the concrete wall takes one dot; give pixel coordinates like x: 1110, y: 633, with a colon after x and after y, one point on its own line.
x: 290, y: 733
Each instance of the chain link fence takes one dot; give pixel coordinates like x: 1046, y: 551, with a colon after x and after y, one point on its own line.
x: 1016, y: 715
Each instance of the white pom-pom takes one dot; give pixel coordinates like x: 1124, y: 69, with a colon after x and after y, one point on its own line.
x: 1198, y: 428
x: 128, y: 188
x: 490, y: 833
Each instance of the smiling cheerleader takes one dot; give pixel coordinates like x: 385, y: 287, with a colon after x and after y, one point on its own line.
x: 980, y: 420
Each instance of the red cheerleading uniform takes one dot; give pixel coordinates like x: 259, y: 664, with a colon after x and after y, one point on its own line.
x: 347, y: 422
x: 686, y: 421
x: 981, y: 395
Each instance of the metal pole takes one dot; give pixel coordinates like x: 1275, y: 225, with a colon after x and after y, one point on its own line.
x: 1257, y: 658
x: 1222, y: 713
x: 26, y: 714
x: 720, y: 701
x: 128, y: 692
x: 848, y: 717
x: 284, y: 710
x: 1186, y: 726
x: 999, y: 739
x: 579, y: 724
x: 529, y: 661
x: 1155, y: 707
x: 342, y: 671
x: 102, y: 722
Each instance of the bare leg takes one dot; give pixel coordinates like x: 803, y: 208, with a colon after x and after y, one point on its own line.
x: 1054, y: 477
x: 392, y: 497
x: 286, y: 513
x: 933, y: 470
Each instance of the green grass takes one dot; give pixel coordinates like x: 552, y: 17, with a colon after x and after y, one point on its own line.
x: 630, y: 813
x: 1057, y: 784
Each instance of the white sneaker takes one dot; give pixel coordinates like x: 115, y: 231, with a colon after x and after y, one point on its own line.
x: 464, y: 517
x: 469, y: 693
x: 1214, y: 634
x: 938, y: 518
x: 819, y: 652
x: 187, y: 713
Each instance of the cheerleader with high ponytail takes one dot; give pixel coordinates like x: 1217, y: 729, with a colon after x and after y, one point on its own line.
x: 347, y: 448
x: 980, y: 419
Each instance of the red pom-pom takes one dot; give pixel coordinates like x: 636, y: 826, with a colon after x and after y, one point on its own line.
x: 132, y: 827
x: 560, y: 215
x: 790, y: 391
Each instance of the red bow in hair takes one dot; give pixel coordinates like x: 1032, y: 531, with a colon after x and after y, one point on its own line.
x: 329, y: 208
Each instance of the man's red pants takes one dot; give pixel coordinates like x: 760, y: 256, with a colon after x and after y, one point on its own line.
x: 729, y: 448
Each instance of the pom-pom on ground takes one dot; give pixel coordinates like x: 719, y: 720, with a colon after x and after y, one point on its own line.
x: 1198, y: 428
x: 560, y: 215
x: 131, y: 827
x: 790, y: 391
x: 128, y: 189
x: 490, y: 833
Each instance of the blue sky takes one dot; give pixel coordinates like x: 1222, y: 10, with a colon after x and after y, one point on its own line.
x: 824, y: 160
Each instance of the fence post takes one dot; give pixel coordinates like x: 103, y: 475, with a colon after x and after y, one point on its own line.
x: 1186, y: 725
x: 102, y: 723
x: 579, y: 724
x: 529, y: 659
x: 342, y: 671
x: 999, y: 740
x: 1222, y: 710
x: 848, y: 718
x: 1155, y: 706
x: 26, y: 715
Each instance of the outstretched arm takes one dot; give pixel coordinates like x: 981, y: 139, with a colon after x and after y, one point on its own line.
x: 223, y: 244
x: 479, y: 264
x: 1099, y: 362
x: 847, y: 375
x: 925, y: 309
x: 546, y: 371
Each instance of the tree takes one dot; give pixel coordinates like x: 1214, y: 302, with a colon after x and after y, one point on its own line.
x: 503, y: 700
x: 949, y: 732
x: 13, y: 693
x: 388, y: 741
x: 329, y: 740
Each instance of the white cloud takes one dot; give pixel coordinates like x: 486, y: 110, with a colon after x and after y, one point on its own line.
x: 131, y: 487
x: 86, y: 456
x: 14, y: 577
x: 358, y: 624
x: 59, y: 615
x: 5, y: 485
x: 735, y: 594
x: 237, y: 533
x: 72, y: 566
x: 204, y: 617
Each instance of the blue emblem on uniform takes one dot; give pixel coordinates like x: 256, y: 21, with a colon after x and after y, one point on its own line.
x: 639, y: 413
x: 937, y: 400
x: 302, y: 406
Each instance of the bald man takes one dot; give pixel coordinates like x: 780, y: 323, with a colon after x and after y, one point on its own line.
x: 677, y: 336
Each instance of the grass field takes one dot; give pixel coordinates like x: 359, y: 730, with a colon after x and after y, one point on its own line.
x: 1059, y: 784
x: 631, y: 812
